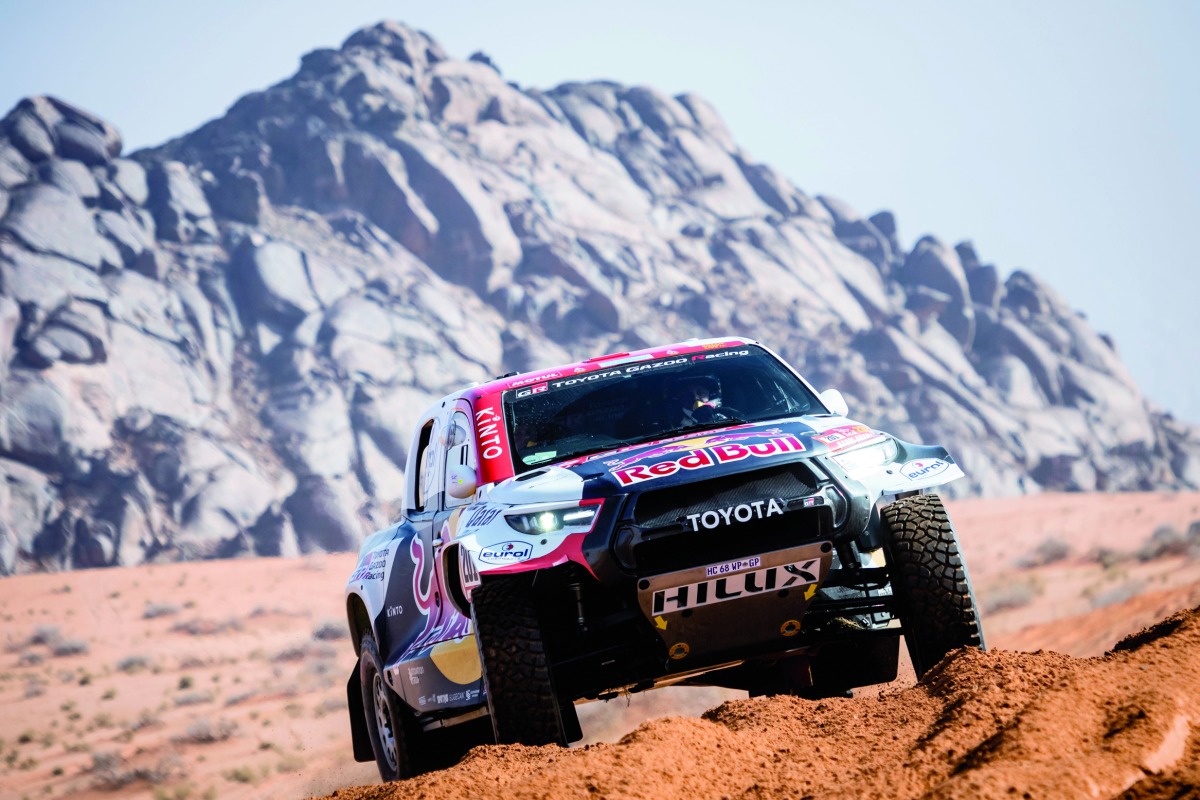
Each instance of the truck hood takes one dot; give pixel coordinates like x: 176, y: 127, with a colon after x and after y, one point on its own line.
x: 685, y: 458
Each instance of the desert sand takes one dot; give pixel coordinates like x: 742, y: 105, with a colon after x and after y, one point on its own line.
x: 227, y: 679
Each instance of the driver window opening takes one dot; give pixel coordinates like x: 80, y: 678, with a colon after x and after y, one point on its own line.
x: 424, y: 453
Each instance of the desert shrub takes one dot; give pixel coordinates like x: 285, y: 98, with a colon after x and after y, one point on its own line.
x: 132, y: 664
x: 308, y: 650
x: 1166, y: 541
x: 112, y: 772
x: 1106, y: 557
x: 109, y: 694
x: 34, y: 689
x: 70, y: 647
x: 48, y: 635
x: 290, y: 763
x: 30, y: 659
x: 156, y: 610
x: 185, y: 682
x: 146, y: 719
x: 1009, y: 596
x: 25, y: 737
x: 204, y: 731
x: 206, y: 627
x: 1118, y: 594
x: 193, y: 699
x: 241, y: 774
x: 238, y: 699
x: 192, y: 662
x: 331, y: 631
x: 1049, y: 551
x: 1193, y: 533
x: 330, y: 705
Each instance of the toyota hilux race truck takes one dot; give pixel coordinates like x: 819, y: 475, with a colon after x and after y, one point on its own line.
x: 692, y: 514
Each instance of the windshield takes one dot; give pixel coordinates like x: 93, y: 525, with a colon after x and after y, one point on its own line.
x: 647, y: 400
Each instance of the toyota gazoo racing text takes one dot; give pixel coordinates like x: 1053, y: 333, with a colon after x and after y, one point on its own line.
x: 691, y: 514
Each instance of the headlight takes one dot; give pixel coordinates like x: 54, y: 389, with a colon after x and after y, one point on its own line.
x: 571, y: 519
x: 875, y: 455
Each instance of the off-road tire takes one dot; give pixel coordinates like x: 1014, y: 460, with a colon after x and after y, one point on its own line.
x: 516, y: 672
x: 401, y: 759
x: 930, y: 581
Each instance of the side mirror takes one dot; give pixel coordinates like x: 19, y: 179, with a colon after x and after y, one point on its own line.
x: 460, y: 481
x: 834, y: 401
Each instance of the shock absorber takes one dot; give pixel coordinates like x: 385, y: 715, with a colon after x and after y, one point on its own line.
x: 577, y: 590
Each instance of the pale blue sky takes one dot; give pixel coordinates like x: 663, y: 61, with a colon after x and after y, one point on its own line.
x: 1061, y: 137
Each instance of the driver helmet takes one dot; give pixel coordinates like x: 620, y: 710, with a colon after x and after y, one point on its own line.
x: 698, y: 391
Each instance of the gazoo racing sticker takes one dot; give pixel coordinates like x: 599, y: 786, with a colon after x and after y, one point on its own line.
x: 759, y: 509
x: 738, y: 585
x: 506, y: 553
x: 371, y: 566
x: 705, y: 457
x: 844, y: 436
x: 923, y: 468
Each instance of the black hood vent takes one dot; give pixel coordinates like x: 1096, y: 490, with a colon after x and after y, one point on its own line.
x: 662, y: 507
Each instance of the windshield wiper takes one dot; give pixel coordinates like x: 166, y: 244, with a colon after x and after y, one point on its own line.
x: 697, y: 426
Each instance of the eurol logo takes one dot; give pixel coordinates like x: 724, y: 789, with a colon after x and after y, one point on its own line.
x: 506, y: 553
x: 709, y: 457
x: 923, y: 468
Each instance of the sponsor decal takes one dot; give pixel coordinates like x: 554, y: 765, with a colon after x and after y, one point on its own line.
x: 702, y: 458
x: 482, y: 515
x: 790, y: 628
x: 395, y: 611
x: 923, y: 468
x: 506, y: 553
x: 679, y: 650
x: 726, y: 354
x: 539, y: 378
x: 541, y: 387
x: 438, y: 627
x: 845, y: 436
x: 371, y: 566
x: 414, y: 675
x: 744, y: 512
x: 732, y: 587
x: 732, y: 566
x: 809, y: 502
x: 467, y: 573
x: 489, y: 428
x: 680, y: 444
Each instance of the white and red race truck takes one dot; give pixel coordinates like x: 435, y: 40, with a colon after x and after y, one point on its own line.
x: 695, y: 513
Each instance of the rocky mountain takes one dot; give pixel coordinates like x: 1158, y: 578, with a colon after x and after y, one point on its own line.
x: 218, y: 346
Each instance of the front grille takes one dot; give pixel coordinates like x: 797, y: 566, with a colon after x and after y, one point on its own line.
x: 662, y: 507
x: 679, y: 547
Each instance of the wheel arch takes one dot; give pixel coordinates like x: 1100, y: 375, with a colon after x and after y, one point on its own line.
x: 452, y: 578
x: 359, y: 620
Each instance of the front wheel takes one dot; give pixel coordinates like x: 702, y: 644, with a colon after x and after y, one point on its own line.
x: 394, y: 732
x: 516, y: 672
x: 930, y: 581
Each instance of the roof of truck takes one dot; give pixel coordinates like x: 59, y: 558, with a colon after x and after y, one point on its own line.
x: 516, y: 381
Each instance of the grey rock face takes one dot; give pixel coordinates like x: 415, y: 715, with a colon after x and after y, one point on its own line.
x: 220, y: 346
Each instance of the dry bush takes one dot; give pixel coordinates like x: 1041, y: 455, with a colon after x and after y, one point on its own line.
x: 1166, y: 541
x: 330, y: 705
x: 30, y: 659
x: 206, y: 627
x: 1118, y: 594
x: 193, y: 699
x: 112, y: 772
x: 132, y: 664
x: 306, y: 651
x: 1049, y: 551
x: 238, y: 699
x: 156, y: 610
x: 204, y: 731
x: 1009, y: 596
x: 70, y: 647
x: 331, y: 630
x: 45, y: 634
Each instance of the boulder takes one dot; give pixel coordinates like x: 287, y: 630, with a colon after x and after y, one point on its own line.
x: 50, y: 221
x: 216, y: 521
x: 181, y: 212
x: 29, y: 126
x: 376, y: 181
x: 28, y: 502
x: 273, y: 282
x: 324, y: 513
x: 71, y: 177
x: 130, y: 178
x: 32, y: 421
x: 933, y: 265
x: 311, y: 423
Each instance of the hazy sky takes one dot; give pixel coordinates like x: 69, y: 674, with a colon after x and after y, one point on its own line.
x: 1061, y: 137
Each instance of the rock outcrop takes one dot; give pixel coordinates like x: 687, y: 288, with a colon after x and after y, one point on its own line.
x: 218, y: 346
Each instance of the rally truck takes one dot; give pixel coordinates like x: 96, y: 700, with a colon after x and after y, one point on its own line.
x: 691, y: 514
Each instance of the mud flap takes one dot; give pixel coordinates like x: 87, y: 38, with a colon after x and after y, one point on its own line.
x: 358, y: 718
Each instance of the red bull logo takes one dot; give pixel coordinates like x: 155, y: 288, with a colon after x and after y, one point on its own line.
x: 709, y: 456
x: 684, y: 444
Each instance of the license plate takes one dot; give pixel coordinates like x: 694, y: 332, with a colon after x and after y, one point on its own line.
x: 732, y: 566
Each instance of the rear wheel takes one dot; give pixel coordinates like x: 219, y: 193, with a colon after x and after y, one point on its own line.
x: 516, y: 672
x: 930, y: 581
x: 393, y: 729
